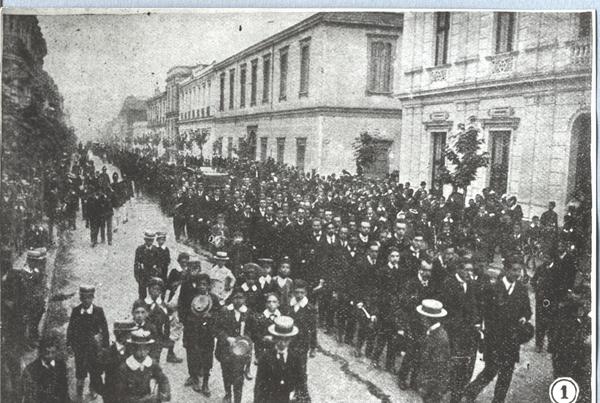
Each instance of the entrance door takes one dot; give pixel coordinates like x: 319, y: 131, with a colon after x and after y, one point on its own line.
x: 300, y: 153
x: 500, y: 146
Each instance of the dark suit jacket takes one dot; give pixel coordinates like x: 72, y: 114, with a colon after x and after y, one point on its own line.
x: 463, y: 315
x: 145, y: 264
x: 80, y: 332
x: 410, y: 296
x: 228, y: 326
x: 163, y: 259
x: 306, y: 320
x: 274, y: 380
x: 111, y: 360
x: 44, y: 385
x: 434, y: 362
x: 501, y: 313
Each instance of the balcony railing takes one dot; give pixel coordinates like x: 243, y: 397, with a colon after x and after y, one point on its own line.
x: 502, y: 63
x: 581, y: 52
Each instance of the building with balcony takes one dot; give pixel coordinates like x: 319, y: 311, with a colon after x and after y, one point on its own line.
x: 302, y: 96
x: 524, y: 78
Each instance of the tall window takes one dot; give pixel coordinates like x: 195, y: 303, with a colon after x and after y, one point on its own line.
x: 243, y: 86
x: 304, y: 67
x: 300, y: 153
x: 253, y: 77
x: 283, y: 69
x: 381, y: 55
x: 505, y: 32
x: 266, y: 78
x: 263, y: 148
x: 442, y: 27
x: 231, y: 88
x: 222, y: 92
x: 438, y: 160
x: 280, y: 149
x: 585, y: 25
x: 229, y: 147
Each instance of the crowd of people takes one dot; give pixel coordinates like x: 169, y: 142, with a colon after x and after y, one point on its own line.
x: 377, y: 264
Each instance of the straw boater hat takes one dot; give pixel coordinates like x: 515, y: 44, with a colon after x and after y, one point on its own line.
x: 283, y: 327
x: 201, y: 304
x: 140, y: 337
x: 432, y: 308
x: 37, y: 254
x: 161, y: 235
x: 124, y: 326
x: 221, y: 255
x: 149, y: 234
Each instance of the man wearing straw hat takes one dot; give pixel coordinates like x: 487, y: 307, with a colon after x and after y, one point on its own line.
x: 280, y: 369
x: 140, y: 379
x: 222, y: 279
x: 145, y: 263
x: 434, y: 361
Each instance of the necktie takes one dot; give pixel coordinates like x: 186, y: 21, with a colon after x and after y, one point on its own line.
x: 281, y: 359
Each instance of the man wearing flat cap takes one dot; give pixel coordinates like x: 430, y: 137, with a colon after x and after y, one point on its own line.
x: 87, y: 333
x: 145, y: 263
x: 279, y: 370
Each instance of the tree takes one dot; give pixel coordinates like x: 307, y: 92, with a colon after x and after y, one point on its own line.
x: 465, y: 157
x: 365, y: 151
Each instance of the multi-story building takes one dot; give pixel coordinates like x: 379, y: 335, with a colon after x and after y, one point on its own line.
x: 133, y: 110
x: 301, y: 96
x: 524, y: 78
x: 157, y: 113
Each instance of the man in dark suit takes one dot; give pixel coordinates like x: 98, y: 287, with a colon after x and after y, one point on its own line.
x: 305, y: 317
x: 87, y: 334
x: 279, y: 371
x: 399, y: 241
x: 459, y: 296
x: 549, y: 218
x: 547, y: 285
x: 145, y: 264
x: 44, y: 380
x: 506, y: 307
x: 365, y: 300
x: 163, y: 256
x: 409, y: 327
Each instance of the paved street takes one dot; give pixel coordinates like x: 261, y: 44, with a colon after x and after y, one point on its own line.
x: 334, y: 375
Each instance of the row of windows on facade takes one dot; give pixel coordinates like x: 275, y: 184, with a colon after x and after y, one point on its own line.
x: 196, y: 113
x: 194, y: 96
x: 504, y: 33
x: 267, y: 68
x: 263, y: 152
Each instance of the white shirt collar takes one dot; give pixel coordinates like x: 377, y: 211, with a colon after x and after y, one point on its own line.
x: 246, y: 288
x: 243, y: 308
x: 49, y: 365
x: 284, y: 353
x: 281, y: 281
x: 433, y: 327
x: 163, y: 246
x: 508, y: 285
x: 298, y: 304
x: 135, y: 365
x: 371, y: 261
x: 268, y: 313
x: 120, y: 347
x: 89, y: 311
x: 264, y: 279
x: 424, y: 282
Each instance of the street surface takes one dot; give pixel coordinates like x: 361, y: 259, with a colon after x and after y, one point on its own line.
x: 334, y: 375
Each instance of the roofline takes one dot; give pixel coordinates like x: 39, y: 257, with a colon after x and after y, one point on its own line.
x: 313, y: 20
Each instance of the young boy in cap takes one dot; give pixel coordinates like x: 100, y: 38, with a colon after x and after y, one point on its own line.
x: 87, y: 333
x: 135, y: 374
x: 177, y: 274
x: 221, y: 277
x: 283, y: 285
x: 234, y: 322
x: 45, y: 379
x: 280, y: 368
x: 163, y: 256
x: 199, y: 334
x: 114, y: 357
x: 145, y: 263
x: 33, y: 281
x: 158, y: 315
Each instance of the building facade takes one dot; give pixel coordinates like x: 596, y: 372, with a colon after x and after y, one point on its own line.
x: 523, y: 78
x: 156, y: 113
x: 302, y: 96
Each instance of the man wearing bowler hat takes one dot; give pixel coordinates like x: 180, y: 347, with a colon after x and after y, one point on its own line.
x: 87, y: 334
x: 280, y: 369
x: 434, y: 360
x: 145, y: 263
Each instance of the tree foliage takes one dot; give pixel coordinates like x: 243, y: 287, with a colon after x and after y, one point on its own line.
x: 365, y: 151
x: 463, y: 159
